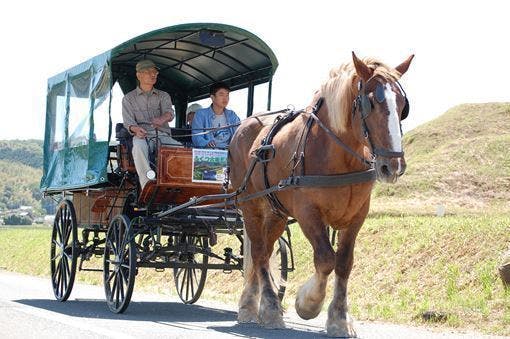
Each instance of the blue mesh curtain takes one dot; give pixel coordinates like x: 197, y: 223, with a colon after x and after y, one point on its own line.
x: 75, y: 154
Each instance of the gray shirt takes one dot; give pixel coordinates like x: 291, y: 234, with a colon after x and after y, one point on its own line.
x: 221, y: 136
x: 139, y: 108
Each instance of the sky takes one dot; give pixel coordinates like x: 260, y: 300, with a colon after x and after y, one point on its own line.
x: 461, y: 47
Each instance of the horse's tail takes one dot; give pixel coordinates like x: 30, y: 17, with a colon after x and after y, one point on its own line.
x: 247, y: 260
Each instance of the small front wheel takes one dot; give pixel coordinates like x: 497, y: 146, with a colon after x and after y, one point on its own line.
x: 190, y: 280
x: 119, y: 264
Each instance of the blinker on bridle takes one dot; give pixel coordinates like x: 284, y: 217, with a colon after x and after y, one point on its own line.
x: 364, y: 102
x: 364, y: 105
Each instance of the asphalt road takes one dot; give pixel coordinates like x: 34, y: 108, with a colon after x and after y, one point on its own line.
x: 29, y: 310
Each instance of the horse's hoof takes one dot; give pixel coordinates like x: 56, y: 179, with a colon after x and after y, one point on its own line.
x: 343, y: 328
x: 271, y: 318
x: 274, y: 324
x: 308, y: 305
x: 307, y: 309
x: 244, y: 316
x: 308, y: 312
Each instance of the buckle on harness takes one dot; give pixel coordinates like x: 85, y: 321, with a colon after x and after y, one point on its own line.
x: 265, y: 153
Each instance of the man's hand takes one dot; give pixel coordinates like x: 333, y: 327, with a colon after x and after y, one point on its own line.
x: 211, y: 144
x: 158, y: 122
x: 138, y: 131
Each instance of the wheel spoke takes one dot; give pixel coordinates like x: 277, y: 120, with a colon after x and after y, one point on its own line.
x: 114, y: 285
x: 123, y: 276
x: 68, y: 226
x: 112, y: 249
x: 117, y: 236
x: 64, y: 225
x: 57, y: 244
x: 192, y: 281
x: 65, y: 272
x: 57, y: 255
x: 66, y: 266
x: 188, y: 276
x: 121, y: 285
x: 62, y: 277
x: 66, y: 255
x: 110, y: 276
x: 57, y: 275
x: 182, y: 280
x: 117, y: 288
x: 56, y: 225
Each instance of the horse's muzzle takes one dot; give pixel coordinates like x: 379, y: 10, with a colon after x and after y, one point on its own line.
x: 389, y: 169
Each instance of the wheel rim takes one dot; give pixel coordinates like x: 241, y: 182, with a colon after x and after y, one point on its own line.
x: 190, y: 281
x: 119, y: 264
x: 64, y: 251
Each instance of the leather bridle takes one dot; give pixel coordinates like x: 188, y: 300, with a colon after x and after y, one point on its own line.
x: 363, y: 105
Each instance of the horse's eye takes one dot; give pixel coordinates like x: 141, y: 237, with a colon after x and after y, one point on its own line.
x: 379, y: 93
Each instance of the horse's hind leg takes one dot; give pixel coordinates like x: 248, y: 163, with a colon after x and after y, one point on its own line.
x: 340, y: 323
x: 310, y: 296
x: 270, y: 311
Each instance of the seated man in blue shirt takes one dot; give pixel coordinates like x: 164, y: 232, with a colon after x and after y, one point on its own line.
x: 215, y: 116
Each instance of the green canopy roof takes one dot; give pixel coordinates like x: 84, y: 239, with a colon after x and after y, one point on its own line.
x: 191, y: 57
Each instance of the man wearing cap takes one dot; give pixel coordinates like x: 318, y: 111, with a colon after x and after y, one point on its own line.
x: 190, y: 113
x: 215, y: 125
x: 145, y: 110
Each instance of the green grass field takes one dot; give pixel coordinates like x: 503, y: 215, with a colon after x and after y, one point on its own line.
x: 404, y: 266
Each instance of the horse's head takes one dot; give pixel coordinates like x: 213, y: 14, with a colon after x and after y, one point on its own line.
x: 379, y: 107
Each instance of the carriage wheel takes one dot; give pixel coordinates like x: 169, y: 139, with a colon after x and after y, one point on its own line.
x: 278, y: 264
x: 190, y: 281
x: 64, y: 250
x: 119, y: 264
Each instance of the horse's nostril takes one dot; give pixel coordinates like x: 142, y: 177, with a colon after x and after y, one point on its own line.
x: 385, y: 170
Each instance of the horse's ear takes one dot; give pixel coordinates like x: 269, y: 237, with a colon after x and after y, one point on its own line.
x: 403, y: 67
x: 361, y: 69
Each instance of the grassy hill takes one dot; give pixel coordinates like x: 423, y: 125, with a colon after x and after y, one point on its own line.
x: 20, y: 174
x: 459, y: 160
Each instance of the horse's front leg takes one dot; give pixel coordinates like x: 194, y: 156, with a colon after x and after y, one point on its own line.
x: 249, y: 302
x: 340, y: 323
x: 250, y: 298
x: 310, y: 296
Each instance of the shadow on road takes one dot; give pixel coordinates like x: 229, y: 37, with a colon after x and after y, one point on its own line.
x: 168, y: 313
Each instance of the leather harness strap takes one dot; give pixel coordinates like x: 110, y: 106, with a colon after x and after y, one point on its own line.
x: 262, y: 155
x: 280, y: 121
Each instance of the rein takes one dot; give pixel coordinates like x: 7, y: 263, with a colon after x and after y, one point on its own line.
x: 214, y: 129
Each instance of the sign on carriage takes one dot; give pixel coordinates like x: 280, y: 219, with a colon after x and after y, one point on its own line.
x: 209, y: 165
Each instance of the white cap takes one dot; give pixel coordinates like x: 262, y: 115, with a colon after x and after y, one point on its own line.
x: 193, y: 108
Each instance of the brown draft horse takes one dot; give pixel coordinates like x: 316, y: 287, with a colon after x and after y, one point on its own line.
x: 362, y: 105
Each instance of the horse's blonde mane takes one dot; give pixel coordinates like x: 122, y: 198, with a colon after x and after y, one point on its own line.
x: 338, y: 90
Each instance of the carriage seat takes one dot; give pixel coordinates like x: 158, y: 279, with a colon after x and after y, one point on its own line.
x: 124, y: 155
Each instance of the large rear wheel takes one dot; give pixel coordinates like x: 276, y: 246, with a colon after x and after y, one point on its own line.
x: 64, y: 250
x: 119, y: 264
x: 190, y: 280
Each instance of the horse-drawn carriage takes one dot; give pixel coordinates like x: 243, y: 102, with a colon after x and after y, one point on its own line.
x: 173, y: 222
x: 317, y: 165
